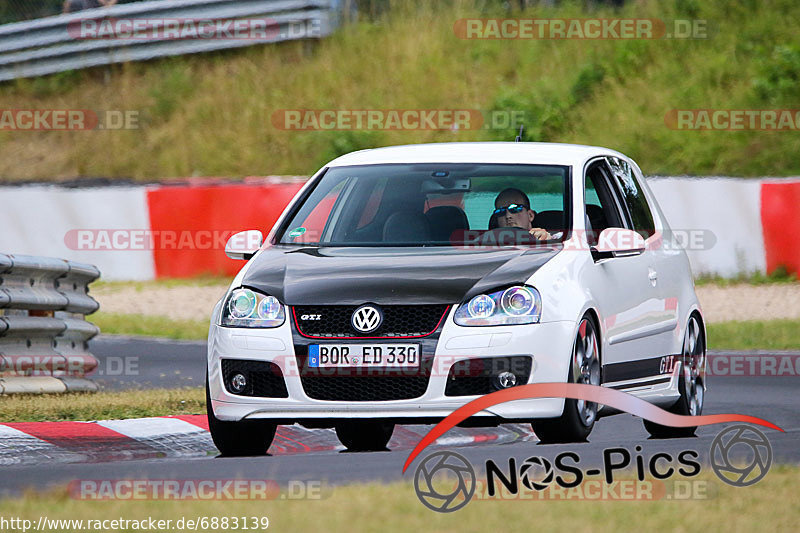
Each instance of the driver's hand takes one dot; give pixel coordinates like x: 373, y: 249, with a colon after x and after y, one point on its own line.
x: 540, y: 234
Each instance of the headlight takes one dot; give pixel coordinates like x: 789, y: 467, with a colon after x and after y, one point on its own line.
x: 515, y: 305
x: 248, y: 309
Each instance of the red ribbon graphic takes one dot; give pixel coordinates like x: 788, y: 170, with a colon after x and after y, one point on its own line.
x: 590, y: 393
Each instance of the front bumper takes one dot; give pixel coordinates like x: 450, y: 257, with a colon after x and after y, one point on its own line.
x: 548, y: 344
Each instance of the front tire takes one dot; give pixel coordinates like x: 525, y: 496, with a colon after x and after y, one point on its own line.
x: 691, y: 384
x: 239, y: 439
x: 364, y: 436
x: 579, y: 416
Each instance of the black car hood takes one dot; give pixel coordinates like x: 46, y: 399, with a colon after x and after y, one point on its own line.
x: 352, y: 276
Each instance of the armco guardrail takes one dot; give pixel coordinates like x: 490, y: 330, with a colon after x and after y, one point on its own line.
x: 43, y: 335
x: 54, y: 44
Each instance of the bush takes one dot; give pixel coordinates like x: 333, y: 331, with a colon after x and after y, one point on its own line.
x: 780, y: 76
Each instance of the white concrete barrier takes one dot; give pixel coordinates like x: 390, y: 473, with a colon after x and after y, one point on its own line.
x: 36, y: 220
x: 729, y: 208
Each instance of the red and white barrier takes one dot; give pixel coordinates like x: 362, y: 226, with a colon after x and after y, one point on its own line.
x: 169, y: 231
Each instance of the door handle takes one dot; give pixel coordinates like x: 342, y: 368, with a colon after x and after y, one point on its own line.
x: 652, y: 275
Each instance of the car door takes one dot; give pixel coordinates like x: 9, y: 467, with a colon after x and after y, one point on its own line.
x: 629, y: 303
x: 663, y: 310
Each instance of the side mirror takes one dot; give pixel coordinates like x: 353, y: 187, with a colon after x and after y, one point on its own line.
x: 617, y: 242
x: 244, y: 245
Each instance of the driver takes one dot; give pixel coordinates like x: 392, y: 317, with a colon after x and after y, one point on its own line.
x: 513, y: 209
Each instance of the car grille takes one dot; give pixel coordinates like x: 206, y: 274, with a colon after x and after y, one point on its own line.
x: 364, y: 388
x: 475, y: 377
x: 264, y: 379
x: 398, y: 321
x: 362, y: 384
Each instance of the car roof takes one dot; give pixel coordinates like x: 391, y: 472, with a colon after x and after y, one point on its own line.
x: 477, y: 152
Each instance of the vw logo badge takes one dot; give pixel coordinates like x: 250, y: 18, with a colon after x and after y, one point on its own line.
x: 367, y: 318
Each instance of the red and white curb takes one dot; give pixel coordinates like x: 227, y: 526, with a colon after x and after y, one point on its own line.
x: 25, y: 443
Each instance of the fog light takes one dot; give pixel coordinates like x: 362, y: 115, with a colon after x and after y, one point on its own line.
x: 238, y: 383
x: 505, y: 380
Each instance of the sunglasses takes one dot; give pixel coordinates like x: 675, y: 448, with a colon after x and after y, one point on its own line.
x: 511, y: 208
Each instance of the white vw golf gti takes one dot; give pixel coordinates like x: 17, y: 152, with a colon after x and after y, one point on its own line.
x: 403, y: 282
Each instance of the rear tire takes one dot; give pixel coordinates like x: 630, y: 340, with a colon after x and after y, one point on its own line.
x: 691, y: 384
x: 239, y: 439
x: 579, y: 416
x: 364, y: 436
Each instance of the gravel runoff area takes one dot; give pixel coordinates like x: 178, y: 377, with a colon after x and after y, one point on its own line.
x: 187, y: 302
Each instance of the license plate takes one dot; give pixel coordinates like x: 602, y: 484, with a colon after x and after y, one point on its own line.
x: 363, y: 355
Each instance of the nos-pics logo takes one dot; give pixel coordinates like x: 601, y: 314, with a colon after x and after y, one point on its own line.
x: 445, y: 481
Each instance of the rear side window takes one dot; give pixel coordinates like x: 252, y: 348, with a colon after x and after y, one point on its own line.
x: 635, y: 201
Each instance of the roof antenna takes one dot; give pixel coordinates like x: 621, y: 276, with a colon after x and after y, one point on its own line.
x: 519, y: 137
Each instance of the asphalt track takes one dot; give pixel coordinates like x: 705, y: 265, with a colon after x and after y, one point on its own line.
x: 133, y: 363
x: 169, y: 364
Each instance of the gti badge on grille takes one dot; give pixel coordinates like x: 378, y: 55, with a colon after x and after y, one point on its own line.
x: 367, y: 318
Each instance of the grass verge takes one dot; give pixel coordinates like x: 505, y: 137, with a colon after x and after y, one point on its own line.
x: 779, y: 275
x: 739, y: 335
x: 394, y: 508
x: 102, y: 405
x: 200, y: 281
x: 755, y: 335
x: 150, y: 326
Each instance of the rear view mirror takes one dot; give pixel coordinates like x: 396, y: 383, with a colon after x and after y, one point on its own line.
x: 244, y: 245
x: 446, y: 185
x: 617, y: 242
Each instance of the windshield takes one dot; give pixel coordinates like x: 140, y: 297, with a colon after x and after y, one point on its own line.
x: 433, y: 205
